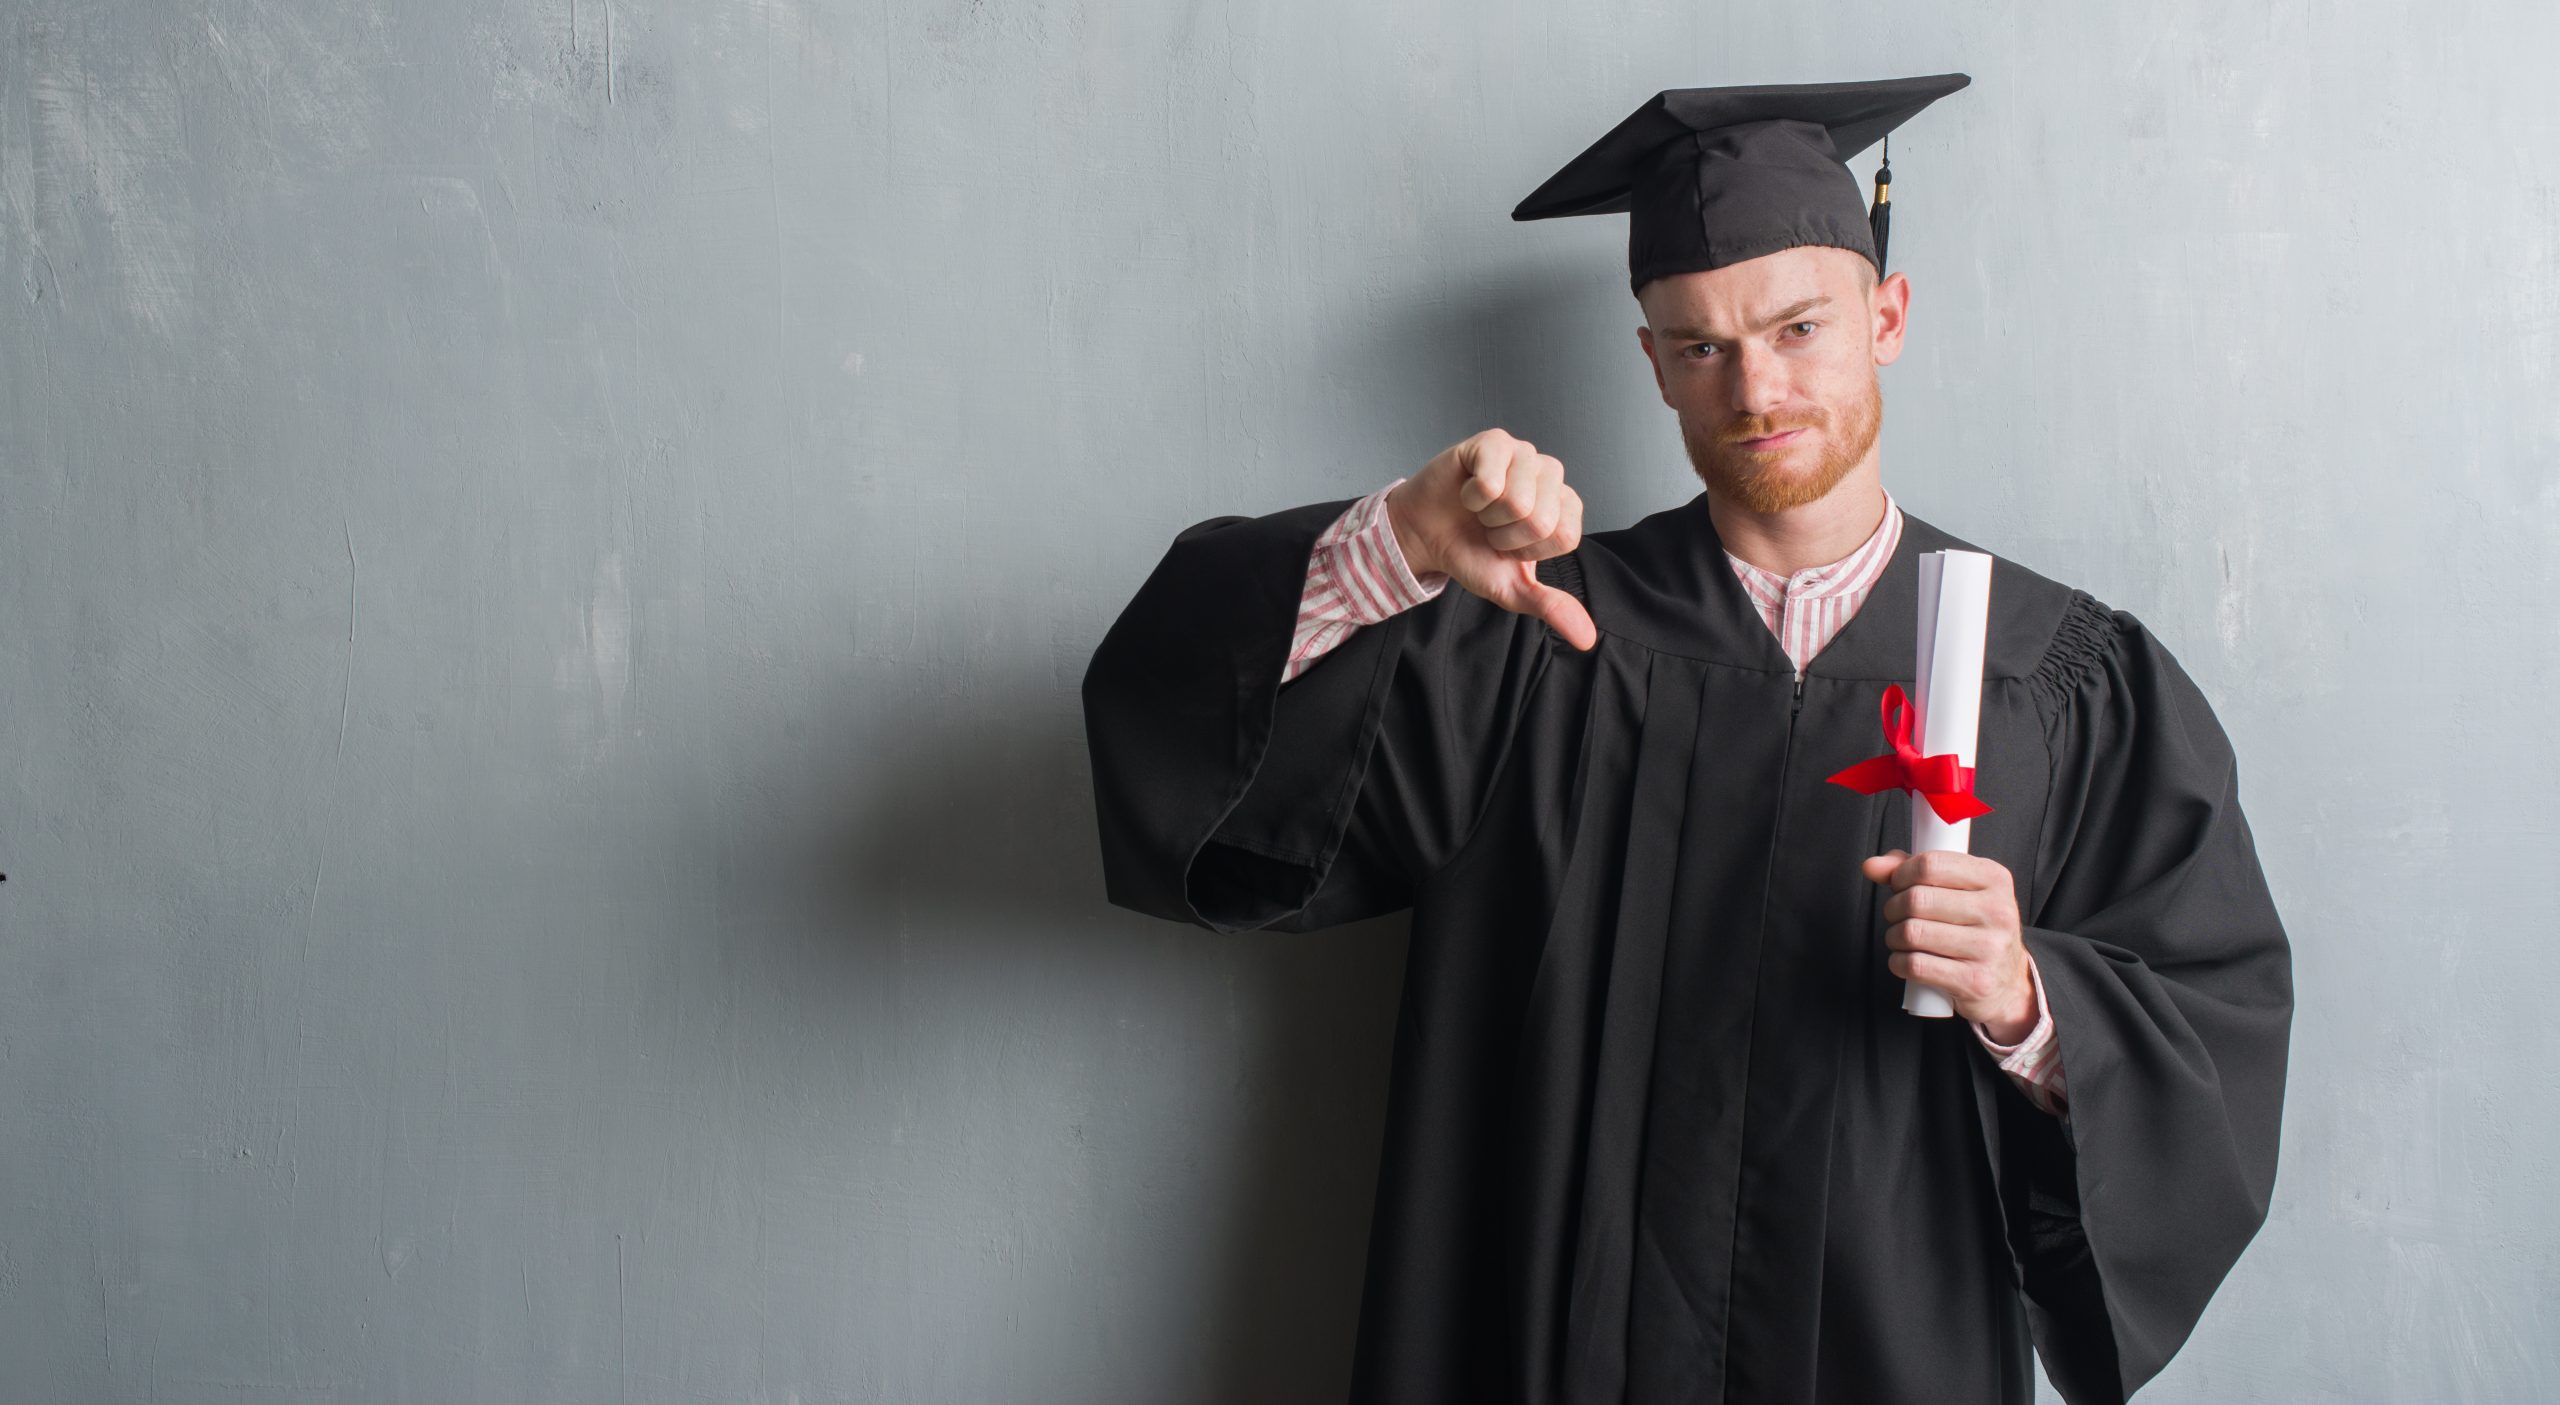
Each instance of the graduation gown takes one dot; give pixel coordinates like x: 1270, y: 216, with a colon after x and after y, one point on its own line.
x: 1658, y: 1129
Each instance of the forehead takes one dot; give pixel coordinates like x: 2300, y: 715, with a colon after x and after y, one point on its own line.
x: 1740, y: 296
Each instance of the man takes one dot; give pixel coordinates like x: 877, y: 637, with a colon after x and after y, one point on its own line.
x: 1659, y: 1129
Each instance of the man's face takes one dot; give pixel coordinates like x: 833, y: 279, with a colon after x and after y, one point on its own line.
x: 1783, y: 350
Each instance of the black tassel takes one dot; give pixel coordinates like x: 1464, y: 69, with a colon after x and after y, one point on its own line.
x: 1880, y: 214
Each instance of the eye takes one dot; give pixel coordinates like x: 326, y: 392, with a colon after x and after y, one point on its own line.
x: 1696, y: 351
x: 1808, y: 326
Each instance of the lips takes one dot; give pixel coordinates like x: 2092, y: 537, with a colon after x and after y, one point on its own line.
x: 1771, y: 441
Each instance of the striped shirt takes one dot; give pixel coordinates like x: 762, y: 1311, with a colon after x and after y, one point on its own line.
x: 1357, y: 576
x: 1804, y: 610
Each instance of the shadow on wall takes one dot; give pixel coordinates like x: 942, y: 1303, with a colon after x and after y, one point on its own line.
x: 961, y: 855
x: 970, y: 811
x: 1548, y: 354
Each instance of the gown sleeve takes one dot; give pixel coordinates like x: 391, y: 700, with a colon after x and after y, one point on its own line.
x: 1231, y: 800
x: 2169, y: 978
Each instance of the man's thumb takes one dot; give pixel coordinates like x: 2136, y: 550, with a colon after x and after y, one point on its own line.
x: 1564, y: 614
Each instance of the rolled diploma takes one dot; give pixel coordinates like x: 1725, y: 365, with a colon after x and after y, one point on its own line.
x: 1955, y: 618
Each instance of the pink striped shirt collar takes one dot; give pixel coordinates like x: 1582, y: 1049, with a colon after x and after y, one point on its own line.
x: 1854, y: 572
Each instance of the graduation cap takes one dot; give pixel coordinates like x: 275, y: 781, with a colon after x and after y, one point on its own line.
x: 1712, y: 176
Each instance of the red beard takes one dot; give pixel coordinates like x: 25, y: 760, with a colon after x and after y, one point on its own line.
x: 1793, y: 475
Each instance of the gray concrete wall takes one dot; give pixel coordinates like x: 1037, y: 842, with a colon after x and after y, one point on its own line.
x: 546, y: 551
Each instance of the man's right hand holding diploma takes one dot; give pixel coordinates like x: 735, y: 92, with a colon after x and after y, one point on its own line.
x: 1484, y: 513
x: 1953, y: 925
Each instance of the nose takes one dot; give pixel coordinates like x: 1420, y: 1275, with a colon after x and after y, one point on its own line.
x: 1760, y: 380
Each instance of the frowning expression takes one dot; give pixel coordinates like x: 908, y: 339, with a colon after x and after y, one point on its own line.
x: 1771, y: 365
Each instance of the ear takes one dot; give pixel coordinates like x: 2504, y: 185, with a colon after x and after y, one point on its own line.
x: 1892, y: 313
x: 1644, y: 338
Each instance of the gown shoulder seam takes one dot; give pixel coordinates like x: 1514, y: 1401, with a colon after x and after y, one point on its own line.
x: 2079, y: 644
x: 1565, y: 574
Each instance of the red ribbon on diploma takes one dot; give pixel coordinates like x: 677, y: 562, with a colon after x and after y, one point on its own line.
x: 1937, y: 779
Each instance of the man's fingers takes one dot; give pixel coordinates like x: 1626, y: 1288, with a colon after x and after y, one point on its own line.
x: 1942, y: 868
x: 1521, y: 489
x: 1550, y: 506
x: 1488, y: 460
x: 1531, y: 530
x: 1517, y: 498
x: 1957, y: 906
x: 1961, y: 981
x: 1526, y: 512
x: 1952, y: 940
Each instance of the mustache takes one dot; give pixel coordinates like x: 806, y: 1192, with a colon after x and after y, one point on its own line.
x: 1759, y: 427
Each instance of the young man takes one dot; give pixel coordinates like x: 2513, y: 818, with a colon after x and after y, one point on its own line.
x: 1659, y: 1128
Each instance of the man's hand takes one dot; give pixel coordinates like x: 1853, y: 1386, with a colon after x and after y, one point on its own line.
x: 1952, y: 923
x: 1485, y: 512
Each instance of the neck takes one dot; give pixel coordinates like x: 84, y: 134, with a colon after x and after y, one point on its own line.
x: 1810, y: 534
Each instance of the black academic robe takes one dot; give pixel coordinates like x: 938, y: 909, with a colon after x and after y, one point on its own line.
x: 1659, y: 1129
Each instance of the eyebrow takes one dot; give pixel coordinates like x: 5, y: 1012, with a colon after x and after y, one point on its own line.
x: 1774, y: 319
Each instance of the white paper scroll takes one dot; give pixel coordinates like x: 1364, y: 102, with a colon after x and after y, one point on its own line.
x: 1955, y: 618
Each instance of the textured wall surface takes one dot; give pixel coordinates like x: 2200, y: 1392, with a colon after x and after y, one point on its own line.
x: 546, y: 553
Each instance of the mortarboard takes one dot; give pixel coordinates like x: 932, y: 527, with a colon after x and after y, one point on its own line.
x: 1712, y: 176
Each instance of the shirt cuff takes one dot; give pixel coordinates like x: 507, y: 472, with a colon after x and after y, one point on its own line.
x: 2035, y: 1056
x: 1384, y: 583
x: 1356, y: 576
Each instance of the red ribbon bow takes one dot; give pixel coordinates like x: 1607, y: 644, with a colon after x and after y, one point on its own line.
x: 1937, y: 779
